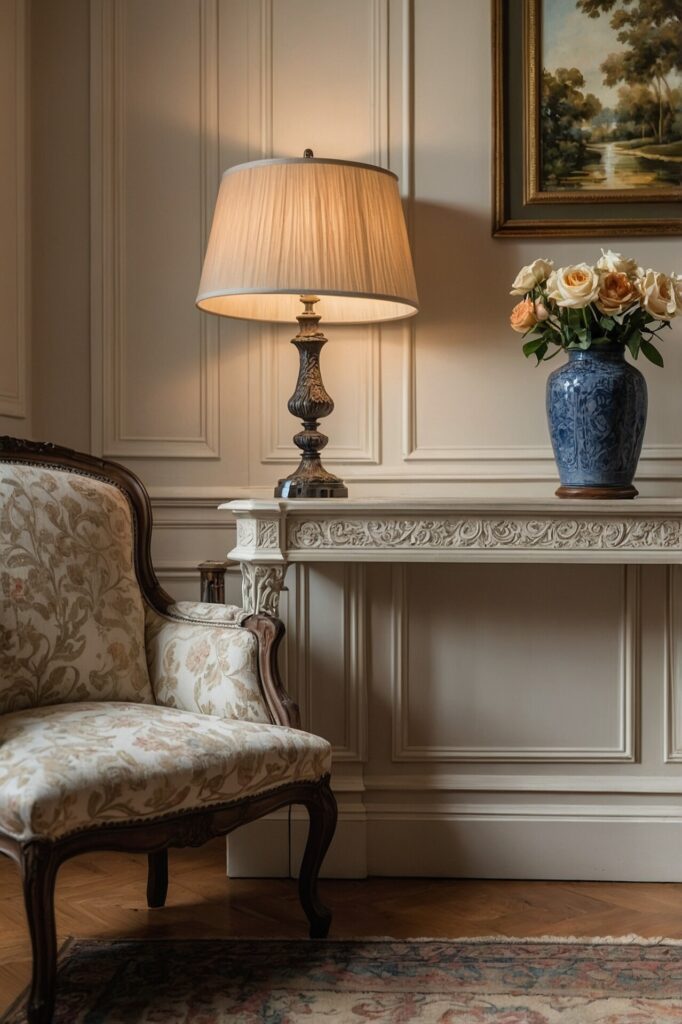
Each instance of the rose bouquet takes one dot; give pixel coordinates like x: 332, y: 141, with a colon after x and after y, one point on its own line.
x: 576, y: 307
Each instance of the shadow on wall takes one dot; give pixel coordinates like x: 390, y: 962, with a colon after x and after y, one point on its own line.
x: 463, y: 274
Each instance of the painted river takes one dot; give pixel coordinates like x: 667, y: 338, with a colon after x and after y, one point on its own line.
x: 608, y: 166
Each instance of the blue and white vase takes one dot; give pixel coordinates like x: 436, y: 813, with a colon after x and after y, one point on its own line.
x: 596, y: 409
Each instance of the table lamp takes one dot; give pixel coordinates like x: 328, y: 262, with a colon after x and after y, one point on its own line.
x: 306, y: 230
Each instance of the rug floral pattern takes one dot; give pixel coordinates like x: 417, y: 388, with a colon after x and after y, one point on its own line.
x: 384, y: 982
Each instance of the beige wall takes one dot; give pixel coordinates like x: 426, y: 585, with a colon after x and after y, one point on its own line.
x: 15, y: 403
x: 549, y: 752
x: 60, y: 251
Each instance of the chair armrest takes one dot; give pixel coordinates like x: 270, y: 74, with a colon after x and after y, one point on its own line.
x: 201, y: 659
x: 201, y: 611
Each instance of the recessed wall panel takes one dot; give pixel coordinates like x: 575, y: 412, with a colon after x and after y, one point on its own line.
x: 515, y: 662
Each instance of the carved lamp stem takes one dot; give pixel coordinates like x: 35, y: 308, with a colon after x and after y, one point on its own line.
x: 309, y: 403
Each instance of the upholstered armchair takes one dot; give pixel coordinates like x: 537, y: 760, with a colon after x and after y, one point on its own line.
x: 127, y: 721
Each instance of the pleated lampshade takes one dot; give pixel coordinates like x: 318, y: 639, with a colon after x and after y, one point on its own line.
x: 291, y: 227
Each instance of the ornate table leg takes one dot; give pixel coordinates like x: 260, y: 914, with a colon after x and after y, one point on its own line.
x: 261, y: 587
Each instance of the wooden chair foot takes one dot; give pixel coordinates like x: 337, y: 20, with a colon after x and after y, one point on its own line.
x: 157, y: 878
x: 322, y: 811
x: 39, y: 870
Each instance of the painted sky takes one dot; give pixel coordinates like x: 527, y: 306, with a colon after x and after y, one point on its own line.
x: 570, y: 39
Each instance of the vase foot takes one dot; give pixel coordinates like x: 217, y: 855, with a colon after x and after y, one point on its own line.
x: 597, y: 493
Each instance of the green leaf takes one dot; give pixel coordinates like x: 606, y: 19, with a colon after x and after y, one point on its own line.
x: 557, y: 350
x: 633, y: 342
x: 607, y: 322
x: 651, y: 352
x: 541, y: 352
x: 533, y: 345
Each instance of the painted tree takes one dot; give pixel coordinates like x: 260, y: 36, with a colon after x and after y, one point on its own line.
x: 565, y: 109
x: 650, y: 32
x: 637, y: 110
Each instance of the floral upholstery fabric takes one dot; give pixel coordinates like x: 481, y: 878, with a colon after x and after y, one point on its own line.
x: 71, y: 612
x: 77, y: 766
x: 208, y: 666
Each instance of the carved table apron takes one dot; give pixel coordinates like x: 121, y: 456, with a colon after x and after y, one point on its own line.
x: 272, y: 534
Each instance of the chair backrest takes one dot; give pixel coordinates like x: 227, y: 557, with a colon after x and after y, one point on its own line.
x: 71, y: 610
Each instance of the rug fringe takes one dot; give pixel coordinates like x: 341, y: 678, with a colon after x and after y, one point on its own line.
x: 472, y: 940
x: 568, y: 940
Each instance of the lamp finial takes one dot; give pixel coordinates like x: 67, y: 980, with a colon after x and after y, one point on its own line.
x: 308, y: 154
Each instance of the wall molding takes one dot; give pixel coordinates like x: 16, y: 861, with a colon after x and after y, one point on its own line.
x: 353, y: 749
x: 456, y: 811
x: 14, y: 394
x: 672, y: 711
x: 625, y: 751
x: 110, y: 435
x: 423, y: 782
x: 260, y: 86
x: 201, y: 514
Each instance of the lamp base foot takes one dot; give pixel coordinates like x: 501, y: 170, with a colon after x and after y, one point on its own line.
x: 301, y: 487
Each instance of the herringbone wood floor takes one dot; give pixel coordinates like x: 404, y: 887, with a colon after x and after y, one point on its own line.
x: 104, y: 896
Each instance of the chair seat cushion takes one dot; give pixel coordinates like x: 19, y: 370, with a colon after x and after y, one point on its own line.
x: 79, y: 766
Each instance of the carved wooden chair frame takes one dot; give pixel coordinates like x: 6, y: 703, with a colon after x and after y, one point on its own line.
x: 39, y: 860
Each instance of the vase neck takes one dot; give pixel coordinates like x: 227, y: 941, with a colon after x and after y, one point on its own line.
x: 612, y: 352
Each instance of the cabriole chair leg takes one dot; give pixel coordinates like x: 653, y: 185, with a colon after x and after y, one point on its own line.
x: 39, y: 870
x: 322, y: 811
x: 157, y: 878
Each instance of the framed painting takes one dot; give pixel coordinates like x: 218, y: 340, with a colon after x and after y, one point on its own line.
x: 587, y: 112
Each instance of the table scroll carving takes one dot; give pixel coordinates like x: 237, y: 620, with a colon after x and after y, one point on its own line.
x: 261, y: 587
x: 485, y: 533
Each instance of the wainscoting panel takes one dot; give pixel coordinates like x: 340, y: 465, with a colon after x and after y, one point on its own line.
x: 329, y: 645
x: 155, y: 177
x: 14, y: 326
x: 469, y: 640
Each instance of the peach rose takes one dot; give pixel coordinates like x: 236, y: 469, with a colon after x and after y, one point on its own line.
x: 573, y: 287
x: 523, y: 316
x: 617, y: 292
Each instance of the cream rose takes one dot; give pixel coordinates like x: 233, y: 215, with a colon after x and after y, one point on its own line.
x: 677, y: 284
x: 617, y: 264
x: 617, y: 292
x: 531, y: 276
x: 574, y: 287
x: 523, y: 316
x: 660, y: 295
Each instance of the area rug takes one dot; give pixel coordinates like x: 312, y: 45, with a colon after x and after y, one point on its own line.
x: 480, y: 981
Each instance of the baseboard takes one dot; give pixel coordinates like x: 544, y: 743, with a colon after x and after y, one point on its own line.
x: 588, y: 843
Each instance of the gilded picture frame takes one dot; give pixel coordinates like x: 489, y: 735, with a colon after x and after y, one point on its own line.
x: 528, y: 204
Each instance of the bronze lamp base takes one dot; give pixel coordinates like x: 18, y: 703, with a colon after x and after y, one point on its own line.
x: 309, y: 403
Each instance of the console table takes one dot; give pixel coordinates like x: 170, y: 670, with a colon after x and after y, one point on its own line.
x: 273, y: 534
